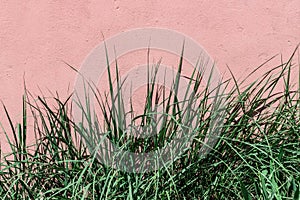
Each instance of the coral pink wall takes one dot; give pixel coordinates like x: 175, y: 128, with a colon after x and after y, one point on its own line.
x: 35, y: 36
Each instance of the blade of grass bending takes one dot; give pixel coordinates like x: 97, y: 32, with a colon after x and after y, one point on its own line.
x: 276, y: 80
x: 176, y: 84
x: 241, y: 98
x: 11, y: 126
x: 260, y: 66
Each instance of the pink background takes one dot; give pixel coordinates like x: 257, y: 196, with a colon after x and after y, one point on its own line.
x: 35, y: 36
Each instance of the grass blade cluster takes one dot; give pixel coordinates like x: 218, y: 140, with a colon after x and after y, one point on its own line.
x: 254, y: 156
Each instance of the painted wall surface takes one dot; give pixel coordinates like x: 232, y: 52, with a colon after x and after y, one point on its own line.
x: 35, y: 36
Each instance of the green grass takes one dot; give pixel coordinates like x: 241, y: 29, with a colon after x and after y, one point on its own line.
x: 255, y: 156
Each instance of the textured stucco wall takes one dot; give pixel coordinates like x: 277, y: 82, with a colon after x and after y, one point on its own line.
x: 36, y: 35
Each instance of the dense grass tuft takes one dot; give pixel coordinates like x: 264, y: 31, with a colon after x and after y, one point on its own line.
x: 255, y: 156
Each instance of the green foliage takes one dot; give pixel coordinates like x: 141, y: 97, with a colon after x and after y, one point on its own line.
x: 256, y: 155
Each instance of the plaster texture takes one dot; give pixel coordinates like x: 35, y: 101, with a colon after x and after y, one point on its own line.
x: 36, y: 36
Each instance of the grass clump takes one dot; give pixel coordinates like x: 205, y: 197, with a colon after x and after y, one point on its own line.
x: 254, y: 156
